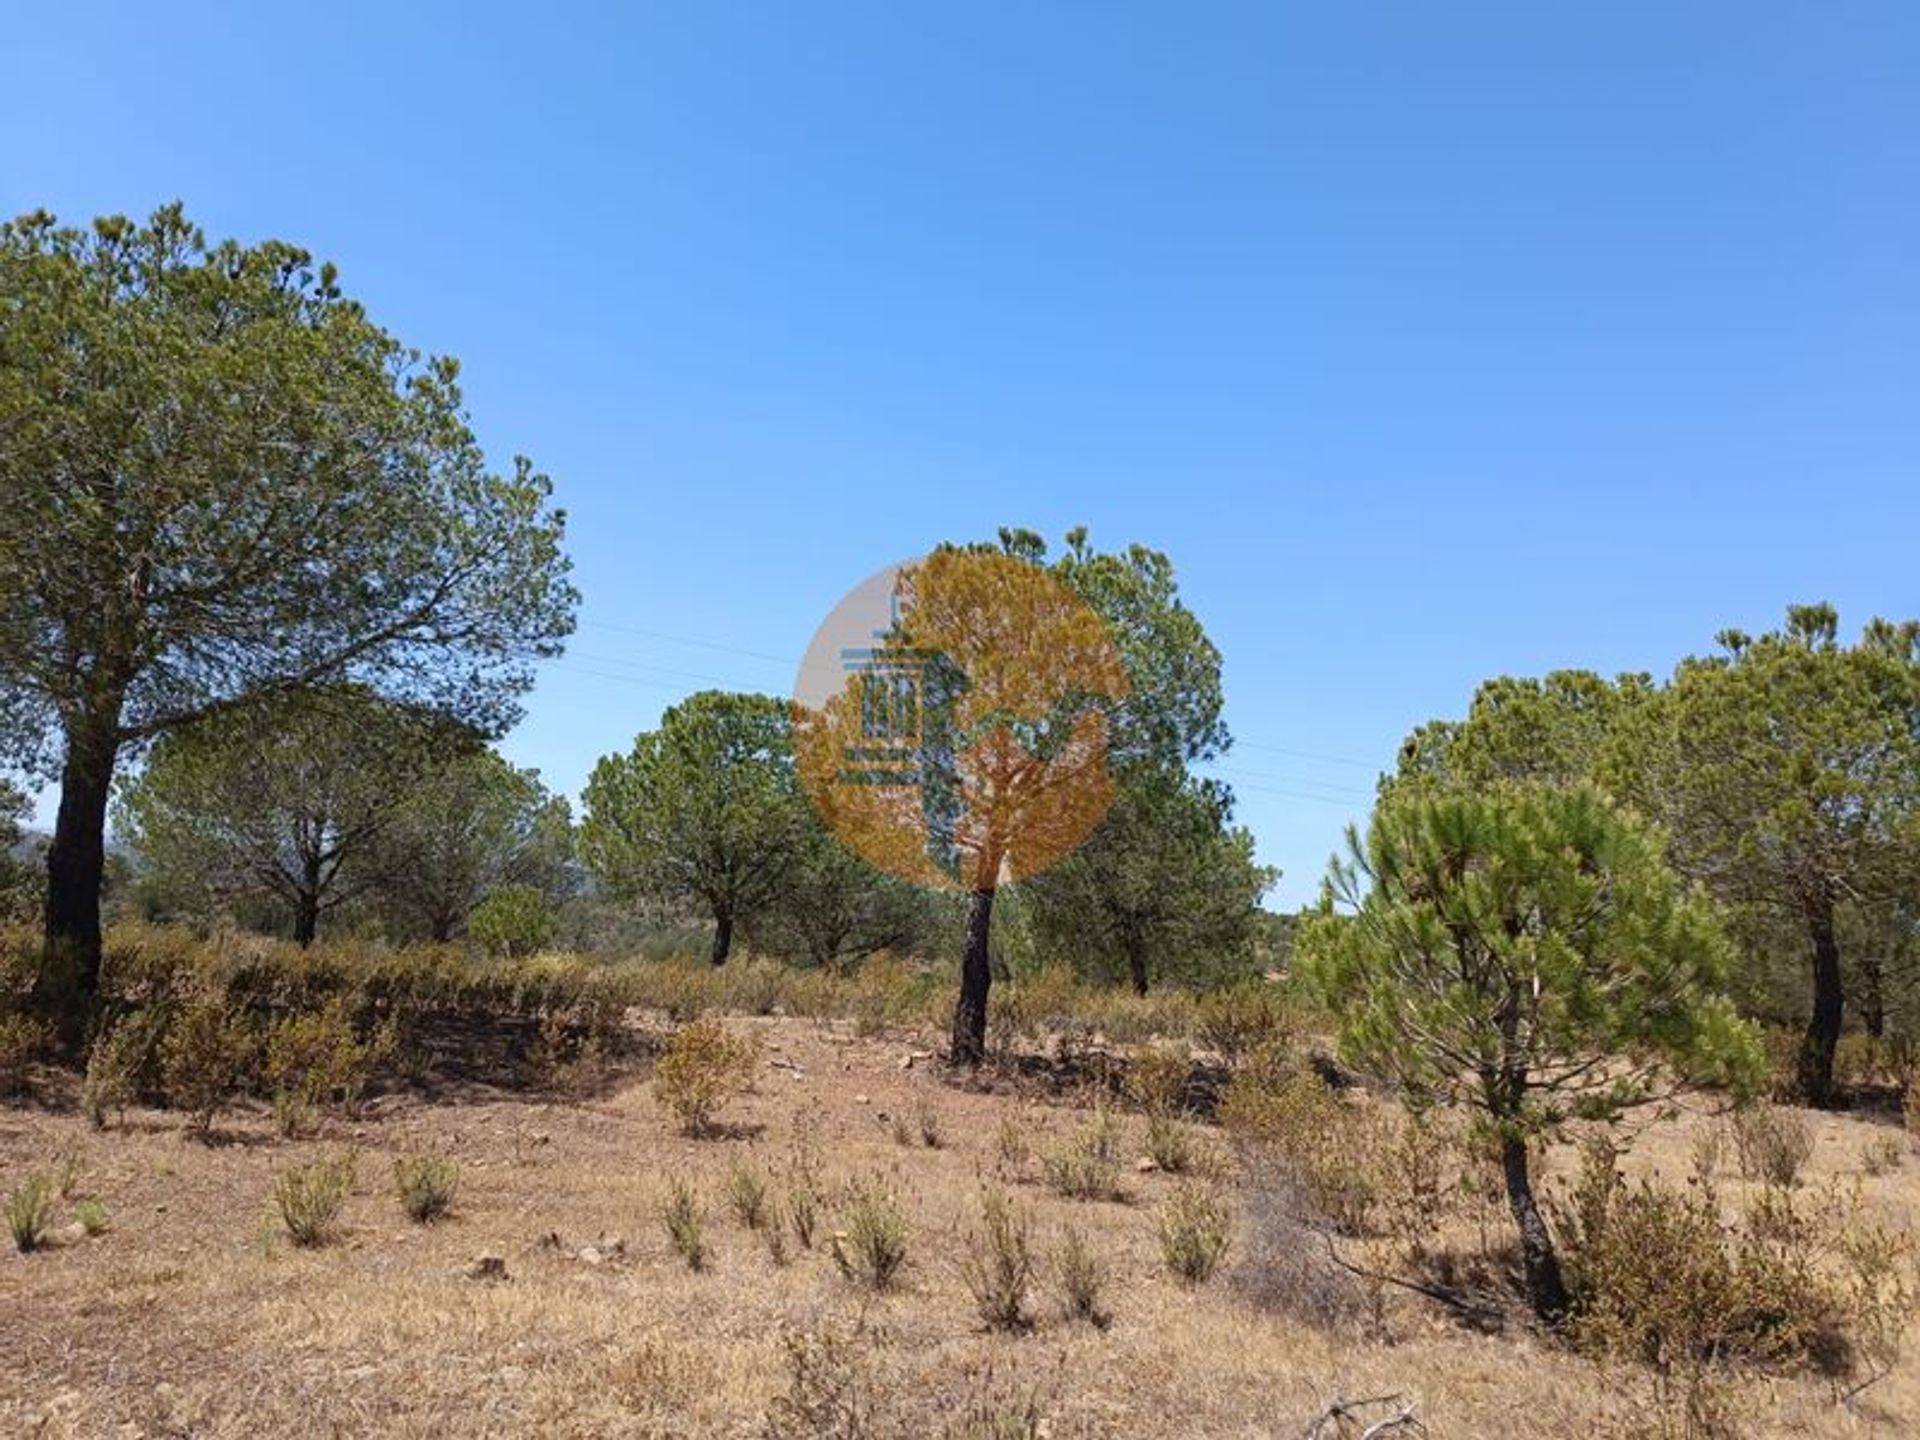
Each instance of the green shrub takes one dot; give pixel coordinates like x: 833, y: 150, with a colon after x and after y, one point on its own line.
x: 1194, y: 1231
x: 1082, y: 1279
x: 1773, y: 1143
x: 310, y: 1198
x: 870, y: 1246
x: 120, y: 1061
x: 686, y: 1224
x: 513, y: 922
x: 205, y: 1059
x: 30, y: 1212
x: 998, y: 1264
x: 802, y: 1205
x: 704, y: 1065
x: 1086, y: 1166
x: 92, y: 1216
x: 319, y: 1059
x: 426, y: 1185
x: 1169, y: 1142
x: 747, y: 1195
x: 21, y: 1039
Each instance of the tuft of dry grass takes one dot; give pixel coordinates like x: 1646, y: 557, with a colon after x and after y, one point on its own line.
x: 870, y: 1247
x: 310, y: 1198
x: 30, y: 1212
x: 685, y: 1221
x: 998, y: 1264
x: 1194, y: 1230
x: 426, y: 1185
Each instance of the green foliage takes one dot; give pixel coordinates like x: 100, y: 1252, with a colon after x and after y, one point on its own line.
x: 998, y: 1263
x: 318, y: 1058
x: 870, y: 1245
x: 30, y: 1212
x: 92, y: 1216
x: 685, y: 1221
x: 514, y: 921
x: 478, y: 845
x: 704, y: 810
x: 704, y: 1065
x: 1165, y: 889
x: 1500, y: 941
x: 120, y: 1059
x: 277, y: 809
x: 1194, y: 1230
x: 225, y: 482
x: 426, y: 1185
x: 310, y: 1198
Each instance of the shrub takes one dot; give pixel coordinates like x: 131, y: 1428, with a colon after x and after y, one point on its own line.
x: 121, y: 1058
x: 1169, y: 1142
x: 830, y: 1394
x: 1087, y: 1165
x: 747, y: 1195
x: 870, y: 1246
x: 1194, y: 1230
x: 686, y: 1225
x: 92, y: 1216
x: 1910, y: 1110
x: 1883, y: 1155
x: 1293, y: 1117
x: 310, y: 1198
x: 204, y: 1059
x: 1284, y: 1263
x: 319, y: 1059
x: 21, y: 1039
x: 704, y: 1065
x: 1773, y: 1142
x: 998, y: 1265
x: 1082, y: 1279
x: 1239, y: 1021
x: 426, y: 1184
x: 1011, y: 1143
x: 514, y: 921
x: 1157, y: 1081
x: 928, y: 1117
x: 30, y: 1212
x: 802, y: 1206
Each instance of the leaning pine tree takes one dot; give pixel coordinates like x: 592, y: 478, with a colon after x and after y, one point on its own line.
x: 1528, y: 955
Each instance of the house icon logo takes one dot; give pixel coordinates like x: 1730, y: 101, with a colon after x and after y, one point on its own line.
x: 951, y: 719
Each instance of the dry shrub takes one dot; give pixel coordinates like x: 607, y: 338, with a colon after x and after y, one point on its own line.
x: 1773, y: 1143
x: 870, y: 1247
x: 1910, y: 1112
x: 30, y: 1212
x: 927, y: 1115
x: 1245, y: 1019
x: 1170, y: 1142
x: 1157, y: 1081
x: 831, y: 1393
x: 704, y: 1066
x: 1011, y: 1143
x: 1882, y: 1155
x: 205, y: 1058
x: 310, y: 1198
x: 998, y: 1265
x: 22, y: 1040
x: 993, y: 1408
x: 318, y: 1059
x: 426, y: 1184
x: 1086, y: 1166
x: 1660, y: 1276
x: 685, y: 1221
x: 1291, y: 1114
x: 1194, y: 1230
x: 1285, y: 1263
x: 747, y: 1195
x: 1082, y: 1278
x: 123, y: 1059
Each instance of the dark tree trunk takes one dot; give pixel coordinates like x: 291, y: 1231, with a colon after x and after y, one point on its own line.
x: 1823, y: 1028
x: 306, y: 903
x: 76, y: 864
x: 1828, y: 997
x: 1546, y: 1288
x: 722, y: 936
x: 969, y: 1042
x: 1137, y: 968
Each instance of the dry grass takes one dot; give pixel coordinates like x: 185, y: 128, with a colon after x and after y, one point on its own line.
x: 179, y: 1320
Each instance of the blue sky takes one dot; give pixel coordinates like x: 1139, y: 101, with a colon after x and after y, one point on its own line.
x: 1432, y: 341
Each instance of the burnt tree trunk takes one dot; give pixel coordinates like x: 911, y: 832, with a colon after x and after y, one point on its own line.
x: 968, y: 1045
x: 722, y: 936
x: 1137, y: 967
x: 1823, y: 1027
x: 76, y: 864
x: 1546, y: 1287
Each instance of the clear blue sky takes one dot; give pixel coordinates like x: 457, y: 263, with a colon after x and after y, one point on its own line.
x: 1431, y: 340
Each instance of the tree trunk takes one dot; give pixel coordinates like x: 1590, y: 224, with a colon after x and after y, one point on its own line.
x: 1871, y: 1002
x: 76, y: 864
x: 1823, y: 1028
x: 306, y: 903
x: 722, y: 936
x: 968, y: 1045
x: 1137, y: 968
x: 1546, y: 1288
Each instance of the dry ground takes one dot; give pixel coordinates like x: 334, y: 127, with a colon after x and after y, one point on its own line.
x: 191, y: 1315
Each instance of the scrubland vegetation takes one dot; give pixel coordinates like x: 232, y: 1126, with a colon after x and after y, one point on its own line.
x: 359, y: 1089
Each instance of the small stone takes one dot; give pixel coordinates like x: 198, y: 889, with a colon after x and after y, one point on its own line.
x: 590, y: 1255
x: 861, y: 1100
x: 488, y: 1267
x: 1146, y: 1165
